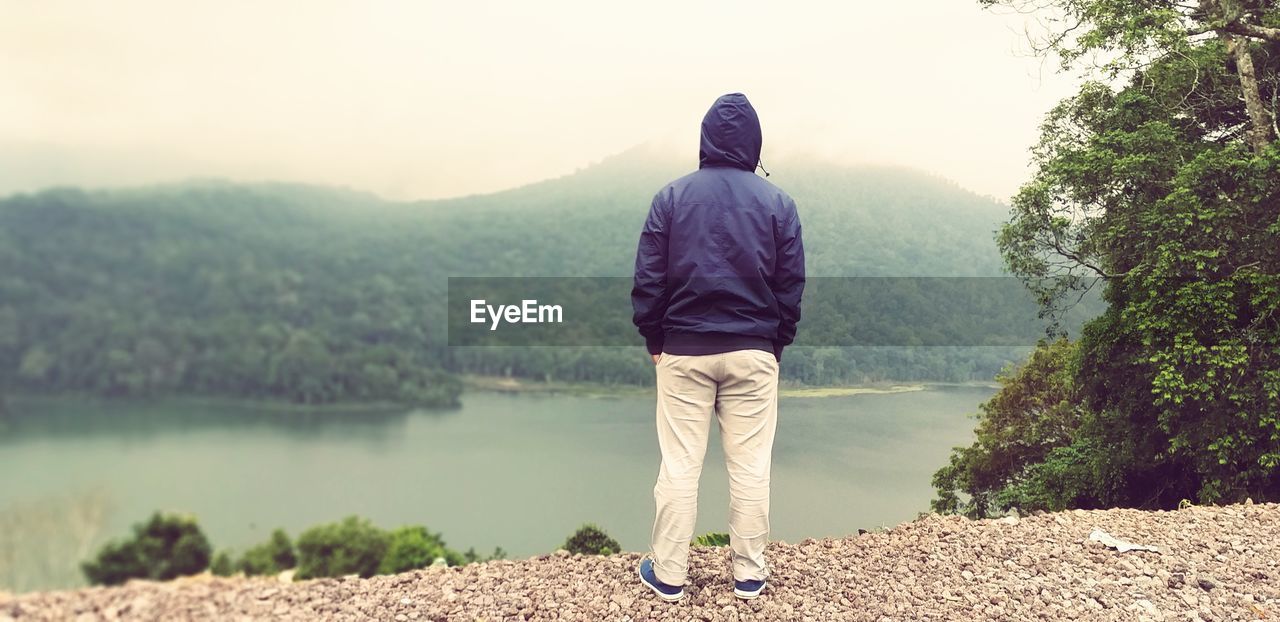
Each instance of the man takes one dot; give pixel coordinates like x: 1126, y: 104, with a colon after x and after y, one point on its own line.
x: 719, y: 273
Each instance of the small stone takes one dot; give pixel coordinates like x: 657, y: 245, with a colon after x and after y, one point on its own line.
x: 1147, y: 606
x: 1206, y: 584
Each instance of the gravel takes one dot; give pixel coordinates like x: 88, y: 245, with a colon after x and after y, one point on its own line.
x: 1215, y: 563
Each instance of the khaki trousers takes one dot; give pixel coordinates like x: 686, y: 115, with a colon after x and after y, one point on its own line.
x: 741, y: 388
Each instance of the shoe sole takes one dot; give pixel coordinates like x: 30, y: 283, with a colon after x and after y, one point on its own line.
x: 671, y: 598
x: 747, y: 595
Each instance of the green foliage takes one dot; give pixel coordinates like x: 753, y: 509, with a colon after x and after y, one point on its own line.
x: 270, y: 557
x: 413, y: 547
x: 168, y: 546
x: 352, y: 546
x: 1035, y: 415
x: 712, y: 538
x: 1121, y: 36
x: 319, y: 296
x: 1063, y: 479
x: 222, y: 565
x: 1164, y: 189
x: 471, y: 556
x: 591, y: 540
x: 164, y: 547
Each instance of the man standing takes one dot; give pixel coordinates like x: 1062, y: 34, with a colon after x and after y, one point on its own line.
x: 719, y: 274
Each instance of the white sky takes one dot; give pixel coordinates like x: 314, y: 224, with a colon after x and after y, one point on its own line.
x: 420, y: 99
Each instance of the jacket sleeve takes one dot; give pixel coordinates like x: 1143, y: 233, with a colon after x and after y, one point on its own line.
x: 649, y: 293
x: 788, y: 278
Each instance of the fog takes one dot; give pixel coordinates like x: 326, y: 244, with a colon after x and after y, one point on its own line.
x: 432, y: 99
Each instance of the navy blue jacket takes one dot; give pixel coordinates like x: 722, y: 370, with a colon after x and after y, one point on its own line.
x: 720, y: 266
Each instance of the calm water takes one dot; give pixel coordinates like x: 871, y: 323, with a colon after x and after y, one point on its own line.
x: 521, y: 471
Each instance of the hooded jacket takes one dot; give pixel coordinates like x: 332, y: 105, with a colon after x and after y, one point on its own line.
x: 720, y: 264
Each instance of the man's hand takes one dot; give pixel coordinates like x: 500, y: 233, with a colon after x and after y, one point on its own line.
x: 655, y: 358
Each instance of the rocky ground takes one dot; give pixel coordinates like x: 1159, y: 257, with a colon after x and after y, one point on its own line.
x: 1215, y: 563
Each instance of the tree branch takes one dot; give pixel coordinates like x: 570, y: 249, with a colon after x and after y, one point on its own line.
x: 1253, y: 30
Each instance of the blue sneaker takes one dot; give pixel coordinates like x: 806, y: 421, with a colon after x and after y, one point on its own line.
x: 746, y: 590
x: 669, y: 593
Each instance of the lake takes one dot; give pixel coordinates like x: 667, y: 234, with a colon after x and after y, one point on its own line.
x: 517, y: 471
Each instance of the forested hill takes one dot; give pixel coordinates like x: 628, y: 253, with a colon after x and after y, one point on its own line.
x: 858, y: 221
x: 320, y: 295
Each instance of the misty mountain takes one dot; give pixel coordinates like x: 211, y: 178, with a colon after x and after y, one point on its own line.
x: 321, y: 295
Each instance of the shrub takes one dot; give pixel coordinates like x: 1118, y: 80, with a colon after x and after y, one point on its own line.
x: 591, y: 540
x: 413, y: 547
x: 471, y: 556
x: 164, y: 547
x: 222, y: 565
x: 353, y: 546
x: 713, y: 538
x: 1027, y: 454
x: 271, y: 556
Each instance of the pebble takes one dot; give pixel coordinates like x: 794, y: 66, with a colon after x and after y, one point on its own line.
x: 1216, y: 563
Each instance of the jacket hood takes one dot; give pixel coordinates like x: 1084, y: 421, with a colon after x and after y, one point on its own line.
x: 730, y: 134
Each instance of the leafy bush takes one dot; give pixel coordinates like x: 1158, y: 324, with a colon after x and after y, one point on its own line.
x: 413, y: 547
x: 168, y: 546
x: 164, y: 547
x: 222, y: 564
x: 591, y: 540
x: 1035, y: 415
x: 353, y: 546
x: 471, y: 556
x: 712, y: 538
x: 270, y: 557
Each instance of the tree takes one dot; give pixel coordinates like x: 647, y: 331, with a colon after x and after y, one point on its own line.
x: 591, y: 540
x: 270, y: 557
x: 301, y: 370
x: 1137, y: 34
x: 222, y: 564
x: 1036, y: 411
x: 414, y: 547
x: 36, y: 364
x: 352, y: 546
x: 164, y: 547
x: 1163, y: 185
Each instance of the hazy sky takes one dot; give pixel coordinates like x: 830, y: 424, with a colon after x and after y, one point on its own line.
x: 422, y: 99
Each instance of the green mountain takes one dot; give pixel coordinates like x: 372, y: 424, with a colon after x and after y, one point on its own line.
x: 321, y: 295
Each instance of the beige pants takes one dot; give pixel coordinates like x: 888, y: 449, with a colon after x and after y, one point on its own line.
x: 741, y: 388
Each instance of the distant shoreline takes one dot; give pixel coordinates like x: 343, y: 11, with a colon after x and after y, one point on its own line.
x: 479, y: 384
x: 268, y: 405
x: 500, y: 384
